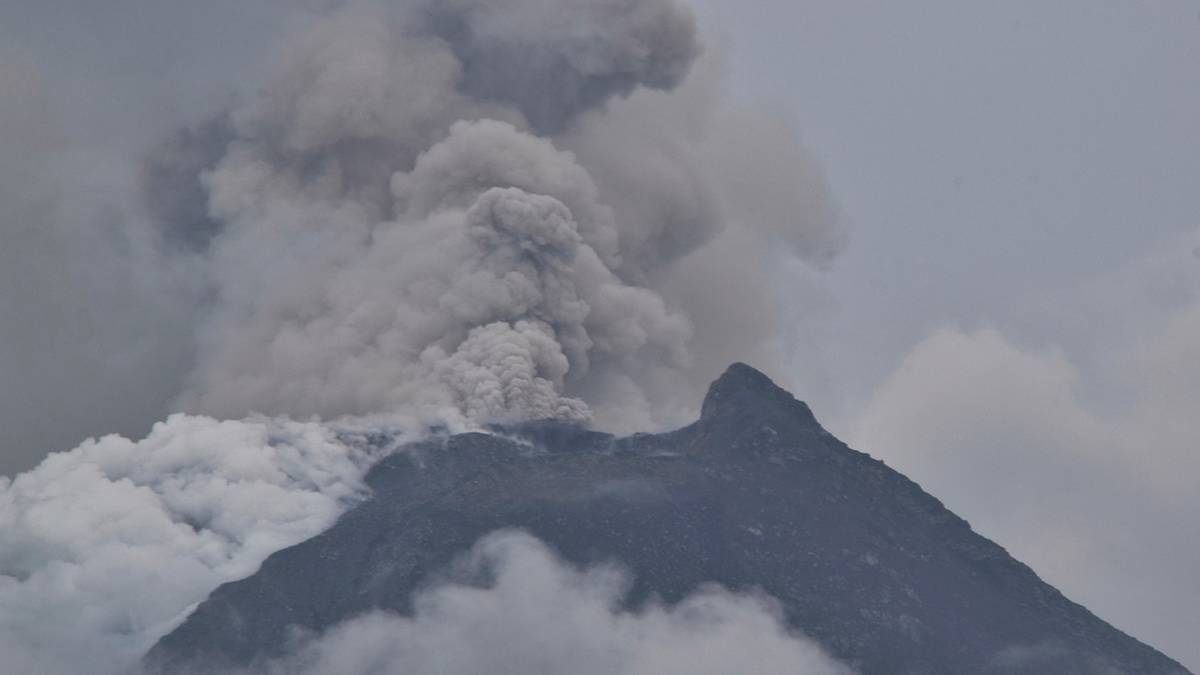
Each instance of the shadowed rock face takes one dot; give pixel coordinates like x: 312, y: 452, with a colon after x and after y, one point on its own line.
x: 755, y: 495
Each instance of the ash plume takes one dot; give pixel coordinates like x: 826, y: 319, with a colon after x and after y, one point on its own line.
x: 451, y: 213
x: 404, y: 216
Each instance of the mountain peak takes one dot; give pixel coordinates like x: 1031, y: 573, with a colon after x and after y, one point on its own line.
x: 755, y: 497
x: 743, y: 390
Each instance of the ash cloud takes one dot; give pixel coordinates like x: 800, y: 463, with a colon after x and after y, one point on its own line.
x: 552, y: 65
x: 408, y: 215
x: 454, y: 212
x: 201, y: 278
x: 289, y: 254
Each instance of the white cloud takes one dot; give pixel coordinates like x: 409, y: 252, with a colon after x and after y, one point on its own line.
x: 304, y: 247
x: 1097, y: 496
x: 542, y: 615
x: 104, y: 548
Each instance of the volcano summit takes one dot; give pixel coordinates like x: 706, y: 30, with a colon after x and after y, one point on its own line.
x: 755, y: 496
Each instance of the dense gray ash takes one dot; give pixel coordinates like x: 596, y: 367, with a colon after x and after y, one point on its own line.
x: 450, y: 207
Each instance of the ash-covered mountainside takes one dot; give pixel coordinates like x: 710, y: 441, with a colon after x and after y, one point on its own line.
x: 754, y: 495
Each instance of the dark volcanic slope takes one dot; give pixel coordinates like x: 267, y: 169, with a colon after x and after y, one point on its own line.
x: 754, y: 494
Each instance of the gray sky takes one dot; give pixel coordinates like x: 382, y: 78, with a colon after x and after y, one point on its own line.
x: 1020, y: 180
x: 984, y: 154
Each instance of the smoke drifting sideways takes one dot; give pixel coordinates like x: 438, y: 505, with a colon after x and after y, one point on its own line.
x: 512, y: 606
x: 427, y: 213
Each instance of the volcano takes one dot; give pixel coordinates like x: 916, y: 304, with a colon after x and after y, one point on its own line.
x: 754, y: 496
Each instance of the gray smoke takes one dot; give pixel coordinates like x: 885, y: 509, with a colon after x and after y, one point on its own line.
x: 553, y: 61
x: 470, y: 209
x: 450, y: 212
x: 405, y: 216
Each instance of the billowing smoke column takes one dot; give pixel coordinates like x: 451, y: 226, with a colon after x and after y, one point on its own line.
x: 482, y: 295
x: 395, y: 220
x: 447, y: 212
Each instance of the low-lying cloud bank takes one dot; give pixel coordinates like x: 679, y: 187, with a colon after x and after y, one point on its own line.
x: 105, y: 548
x: 539, y: 614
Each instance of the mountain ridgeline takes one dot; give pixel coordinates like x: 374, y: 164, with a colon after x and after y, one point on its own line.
x: 753, y: 496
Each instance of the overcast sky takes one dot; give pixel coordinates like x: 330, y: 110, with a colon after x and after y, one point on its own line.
x: 984, y: 154
x: 1015, y: 321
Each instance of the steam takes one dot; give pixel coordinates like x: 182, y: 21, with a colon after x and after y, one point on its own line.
x: 476, y: 297
x: 105, y: 548
x: 540, y: 614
